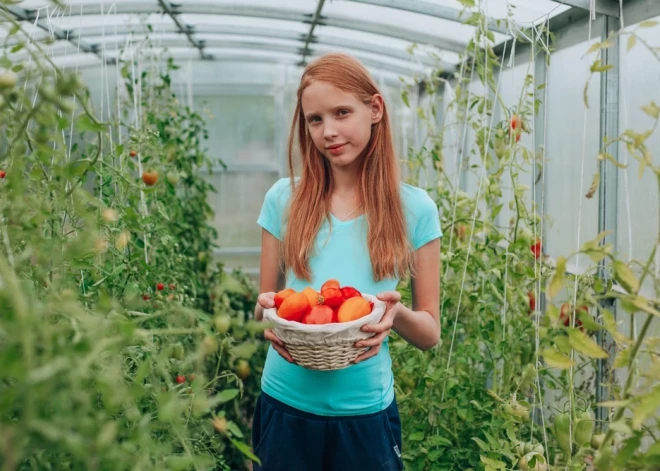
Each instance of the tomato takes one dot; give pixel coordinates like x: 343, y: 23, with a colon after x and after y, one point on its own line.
x: 132, y: 153
x: 173, y: 178
x: 180, y: 379
x: 597, y: 440
x: 222, y: 323
x: 3, y: 174
x: 332, y: 297
x: 160, y: 286
x: 515, y: 122
x: 536, y: 249
x: 150, y: 178
x: 584, y: 428
x: 331, y: 283
x: 350, y: 292
x: 280, y: 296
x: 146, y: 297
x: 243, y: 369
x: 8, y: 79
x: 532, y: 301
x: 319, y: 315
x: 562, y: 432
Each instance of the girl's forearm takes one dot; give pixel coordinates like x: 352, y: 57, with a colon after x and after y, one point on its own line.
x: 418, y: 328
x: 258, y: 312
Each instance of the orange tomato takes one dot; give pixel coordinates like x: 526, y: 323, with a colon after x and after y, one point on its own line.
x: 331, y: 283
x: 280, y: 296
x: 313, y: 296
x: 294, y: 307
x: 352, y: 309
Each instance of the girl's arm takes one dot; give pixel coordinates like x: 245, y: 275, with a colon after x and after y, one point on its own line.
x: 420, y: 326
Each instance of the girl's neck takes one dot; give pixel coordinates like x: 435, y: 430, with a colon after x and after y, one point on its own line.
x: 345, y: 182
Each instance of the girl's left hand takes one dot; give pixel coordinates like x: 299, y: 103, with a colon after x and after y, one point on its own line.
x: 382, y: 329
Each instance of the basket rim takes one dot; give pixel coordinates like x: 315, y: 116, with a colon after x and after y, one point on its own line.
x: 270, y: 316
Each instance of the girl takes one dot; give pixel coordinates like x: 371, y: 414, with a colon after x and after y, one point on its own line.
x: 347, y: 217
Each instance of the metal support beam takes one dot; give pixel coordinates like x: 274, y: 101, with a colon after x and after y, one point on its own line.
x: 603, y: 7
x: 170, y: 10
x: 22, y: 14
x: 607, y: 195
x: 93, y: 37
x: 283, y: 14
x: 310, y: 35
x: 433, y: 9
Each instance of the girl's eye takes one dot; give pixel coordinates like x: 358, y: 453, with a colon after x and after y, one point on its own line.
x: 314, y: 119
x: 342, y: 112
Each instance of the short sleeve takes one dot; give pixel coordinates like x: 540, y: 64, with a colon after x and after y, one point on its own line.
x: 428, y: 222
x: 272, y: 209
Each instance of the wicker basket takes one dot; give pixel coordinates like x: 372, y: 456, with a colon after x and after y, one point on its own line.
x: 325, y: 347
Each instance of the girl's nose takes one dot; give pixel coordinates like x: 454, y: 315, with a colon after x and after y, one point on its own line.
x: 329, y: 131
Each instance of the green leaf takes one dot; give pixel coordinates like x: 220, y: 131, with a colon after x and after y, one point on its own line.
x: 646, y: 406
x: 606, y: 156
x: 17, y: 47
x: 632, y: 40
x: 652, y: 110
x: 496, y: 464
x: 584, y: 344
x: 625, y: 277
x: 511, y: 432
x: 404, y: 98
x: 483, y: 445
x: 598, y: 66
x: 224, y: 396
x: 85, y: 123
x: 243, y: 448
x: 233, y: 428
x: 416, y: 436
x: 648, y: 24
x: 621, y: 427
x: 557, y: 281
x: 556, y: 359
x: 641, y: 303
x: 467, y: 3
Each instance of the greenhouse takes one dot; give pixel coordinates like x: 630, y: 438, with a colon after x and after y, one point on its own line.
x: 327, y: 235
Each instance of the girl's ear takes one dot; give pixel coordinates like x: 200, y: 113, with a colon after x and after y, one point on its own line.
x: 377, y: 107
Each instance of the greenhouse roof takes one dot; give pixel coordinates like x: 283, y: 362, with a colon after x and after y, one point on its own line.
x: 379, y: 32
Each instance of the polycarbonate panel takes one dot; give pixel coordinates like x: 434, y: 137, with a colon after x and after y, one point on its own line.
x: 381, y: 42
x: 569, y: 123
x: 522, y: 11
x: 201, y: 21
x: 454, y: 32
x: 243, y: 127
x: 110, y: 20
x: 237, y: 204
x: 637, y: 211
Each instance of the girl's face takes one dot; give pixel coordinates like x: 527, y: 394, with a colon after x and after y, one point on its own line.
x: 338, y: 122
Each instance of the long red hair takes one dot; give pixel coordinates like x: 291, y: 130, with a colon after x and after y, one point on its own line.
x: 379, y: 189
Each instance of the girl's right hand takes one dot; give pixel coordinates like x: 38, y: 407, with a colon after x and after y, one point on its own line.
x: 267, y: 301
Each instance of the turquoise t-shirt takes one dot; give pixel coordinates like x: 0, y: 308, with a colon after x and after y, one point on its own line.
x: 368, y: 386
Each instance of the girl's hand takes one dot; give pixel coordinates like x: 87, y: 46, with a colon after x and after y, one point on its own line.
x: 267, y: 301
x: 382, y: 329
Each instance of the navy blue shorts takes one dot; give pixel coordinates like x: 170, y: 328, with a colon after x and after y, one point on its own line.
x: 287, y: 439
